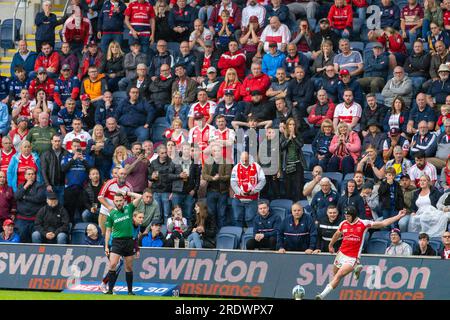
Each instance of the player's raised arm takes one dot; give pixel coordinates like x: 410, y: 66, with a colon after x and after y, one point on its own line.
x: 386, y: 222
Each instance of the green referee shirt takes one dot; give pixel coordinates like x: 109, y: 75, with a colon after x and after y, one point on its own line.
x: 121, y: 222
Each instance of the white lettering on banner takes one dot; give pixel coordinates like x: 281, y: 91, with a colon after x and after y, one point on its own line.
x: 374, y: 21
x: 376, y: 276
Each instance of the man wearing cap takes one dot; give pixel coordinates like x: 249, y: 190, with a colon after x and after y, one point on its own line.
x: 300, y: 91
x: 376, y: 69
x: 92, y: 57
x: 67, y: 85
x: 47, y: 59
x: 272, y: 60
x: 8, y: 234
x: 397, y: 246
x: 393, y: 140
x: 439, y: 89
x: 408, y: 189
x: 228, y: 108
x: 52, y: 223
x: 324, y: 33
x: 199, y: 36
x: 155, y: 238
x: 257, y: 80
x: 211, y: 84
x: 258, y: 108
x: 372, y: 110
x: 346, y: 81
x: 275, y: 32
x: 140, y: 20
x: 130, y: 63
x: 184, y: 84
x: 44, y: 82
x: 162, y: 56
x: 234, y: 58
x: 208, y: 58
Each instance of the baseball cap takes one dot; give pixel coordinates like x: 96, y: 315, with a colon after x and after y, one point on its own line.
x: 20, y: 119
x: 65, y: 67
x: 444, y: 68
x: 256, y: 93
x: 324, y: 20
x: 377, y: 45
x: 344, y: 72
x: 211, y: 69
x: 229, y: 92
x: 156, y: 222
x: 198, y: 115
x: 253, y: 19
x: 52, y: 196
x: 397, y: 231
x: 133, y: 42
x: 85, y: 97
x: 208, y: 43
x: 42, y: 70
x: 8, y: 222
x: 405, y: 175
x: 92, y: 43
x: 394, y: 132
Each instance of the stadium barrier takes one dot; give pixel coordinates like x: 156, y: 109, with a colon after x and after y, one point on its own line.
x: 227, y: 272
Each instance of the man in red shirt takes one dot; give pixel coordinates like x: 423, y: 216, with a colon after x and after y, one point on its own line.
x: 341, y: 18
x: 203, y: 106
x: 352, y: 231
x: 140, y: 19
x: 254, y: 81
x: 234, y: 58
x: 47, y: 59
x: 411, y: 20
x: 6, y: 153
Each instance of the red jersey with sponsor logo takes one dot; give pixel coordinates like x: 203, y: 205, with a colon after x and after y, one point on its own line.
x: 140, y: 15
x: 6, y: 159
x: 24, y: 164
x: 207, y: 109
x: 446, y: 18
x: 353, y: 236
x: 247, y: 178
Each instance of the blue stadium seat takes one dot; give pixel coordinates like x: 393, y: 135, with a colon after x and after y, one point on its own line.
x: 306, y: 207
x: 307, y: 148
x: 226, y: 241
x: 336, y: 178
x: 312, y: 23
x: 380, y: 98
x: 413, y: 244
x: 381, y: 234
x: 174, y: 47
x: 308, y: 158
x: 78, y: 232
x: 414, y: 236
x: 281, y: 212
x: 369, y: 46
x: 158, y: 129
x: 244, y: 239
x: 348, y: 176
x: 119, y: 96
x: 237, y: 231
x: 357, y: 45
x: 308, y: 176
x: 281, y: 203
x: 436, y: 244
x: 377, y: 246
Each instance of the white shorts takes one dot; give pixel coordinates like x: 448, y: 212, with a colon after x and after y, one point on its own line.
x: 342, y: 259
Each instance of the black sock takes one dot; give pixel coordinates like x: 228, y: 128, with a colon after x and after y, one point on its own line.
x: 129, y: 277
x: 112, y: 280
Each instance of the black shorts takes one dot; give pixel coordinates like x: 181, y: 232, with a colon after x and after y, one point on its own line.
x: 123, y: 247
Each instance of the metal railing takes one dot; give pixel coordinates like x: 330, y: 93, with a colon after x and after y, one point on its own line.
x: 16, y: 9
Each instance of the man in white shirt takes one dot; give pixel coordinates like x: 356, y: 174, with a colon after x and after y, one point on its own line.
x: 275, y: 32
x: 348, y: 111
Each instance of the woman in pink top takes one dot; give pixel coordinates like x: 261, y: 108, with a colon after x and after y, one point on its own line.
x: 346, y: 148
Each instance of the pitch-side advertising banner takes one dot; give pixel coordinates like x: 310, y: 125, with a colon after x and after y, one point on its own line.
x: 227, y: 273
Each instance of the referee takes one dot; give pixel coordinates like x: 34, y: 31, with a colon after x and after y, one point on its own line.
x: 120, y: 224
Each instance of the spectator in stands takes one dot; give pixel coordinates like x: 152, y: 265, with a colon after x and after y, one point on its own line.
x: 45, y: 22
x: 77, y: 133
x: 135, y: 116
x: 411, y: 20
x: 420, y: 168
x: 94, y: 85
x: 96, y: 148
x: 346, y: 82
x: 234, y: 58
x: 305, y: 8
x: 30, y: 197
x: 105, y: 109
x: 186, y: 58
x: 329, y: 82
x: 323, y: 199
x: 250, y: 40
x: 253, y: 8
x: 203, y: 106
x: 6, y: 154
x: 8, y: 234
x: 399, y: 86
x: 278, y: 88
x: 390, y: 14
x: 163, y: 56
x: 112, y: 66
x: 110, y: 23
x: 93, y: 237
x: 115, y: 136
x: 208, y: 58
x: 258, y: 108
x: 298, y: 232
x: 247, y: 180
x: 66, y: 86
x: 177, y: 110
x: 40, y: 135
x: 230, y: 83
x: 391, y: 196
x: 52, y: 223
x: 376, y: 69
x: 375, y: 136
x: 265, y: 229
x: 275, y: 32
x: 372, y: 164
x: 142, y: 81
x: 445, y: 252
x: 181, y: 20
x: 348, y: 59
x: 312, y: 187
x: 24, y: 58
x: 160, y: 89
x: 322, y: 110
x: 399, y: 161
x: 439, y: 89
x: 92, y: 57
x: 321, y: 145
x: 293, y: 59
x: 372, y: 110
x: 398, y: 247
x: 326, y: 227
x: 77, y: 30
x: 136, y: 167
x: 150, y: 208
x: 154, y: 238
x: 272, y: 60
x: 200, y: 34
x: 303, y: 38
x: 396, y: 117
x: 445, y: 114
x: 67, y: 115
x: 18, y: 134
x: 75, y: 165
x: 184, y: 84
x: 162, y: 29
x: 229, y: 107
x: 131, y: 61
x: 432, y: 14
x: 17, y: 83
x: 417, y: 66
x: 324, y: 33
x: 41, y: 102
x: 42, y: 82
x: 443, y: 148
x: 351, y: 197
x: 341, y: 18
x: 215, y: 16
x: 408, y: 190
x: 202, y: 228
x: 424, y: 141
x: 140, y: 20
x: 177, y: 226
x: 323, y: 59
x: 281, y: 10
x: 89, y: 197
x: 300, y: 91
x: 211, y: 83
x: 7, y: 201
x: 67, y: 57
x: 424, y: 248
x: 47, y: 60
x: 348, y: 111
x: 346, y: 148
x: 52, y: 174
x: 441, y: 56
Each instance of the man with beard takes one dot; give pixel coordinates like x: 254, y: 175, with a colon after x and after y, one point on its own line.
x: 324, y: 33
x: 439, y: 89
x: 300, y: 91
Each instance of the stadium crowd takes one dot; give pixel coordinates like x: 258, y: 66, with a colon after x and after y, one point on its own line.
x: 168, y: 100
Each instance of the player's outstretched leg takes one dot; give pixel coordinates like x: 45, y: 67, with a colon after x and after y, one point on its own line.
x: 343, y: 271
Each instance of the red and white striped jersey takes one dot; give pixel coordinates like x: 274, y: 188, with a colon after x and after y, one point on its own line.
x: 201, y: 137
x: 207, y: 109
x: 108, y: 191
x: 346, y: 114
x: 226, y: 135
x: 83, y: 136
x: 353, y: 236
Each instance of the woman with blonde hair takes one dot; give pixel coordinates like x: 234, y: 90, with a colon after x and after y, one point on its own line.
x: 230, y: 82
x: 96, y: 148
x: 202, y: 228
x: 119, y: 156
x: 346, y: 148
x: 177, y: 109
x: 176, y: 133
x: 321, y: 145
x: 112, y: 66
x: 324, y: 58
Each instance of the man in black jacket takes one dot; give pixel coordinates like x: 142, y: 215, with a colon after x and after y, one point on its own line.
x: 162, y: 56
x: 90, y: 197
x: 373, y: 110
x: 417, y: 66
x: 161, y: 88
x: 115, y: 136
x: 30, y: 197
x: 325, y: 33
x: 52, y: 223
x: 142, y: 81
x: 51, y: 168
x: 424, y: 248
x: 300, y: 91
x: 258, y: 108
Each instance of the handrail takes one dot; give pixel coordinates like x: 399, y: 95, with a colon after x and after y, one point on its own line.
x: 14, y: 21
x: 65, y: 7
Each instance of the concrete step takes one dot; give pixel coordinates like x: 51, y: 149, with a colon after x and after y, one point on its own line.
x: 5, y: 66
x: 6, y: 59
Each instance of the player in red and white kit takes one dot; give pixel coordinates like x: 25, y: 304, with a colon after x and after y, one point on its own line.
x: 352, y: 230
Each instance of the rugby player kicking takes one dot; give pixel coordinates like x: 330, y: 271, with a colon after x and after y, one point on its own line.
x: 352, y: 230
